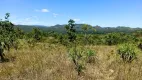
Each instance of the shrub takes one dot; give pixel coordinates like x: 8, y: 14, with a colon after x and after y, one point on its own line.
x: 76, y: 55
x: 111, y: 39
x: 127, y: 52
x: 90, y: 55
x: 36, y: 34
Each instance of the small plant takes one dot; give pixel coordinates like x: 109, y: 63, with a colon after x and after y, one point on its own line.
x: 90, y: 54
x: 76, y: 55
x: 127, y: 52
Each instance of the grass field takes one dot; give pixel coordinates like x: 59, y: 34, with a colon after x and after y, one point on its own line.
x: 51, y: 62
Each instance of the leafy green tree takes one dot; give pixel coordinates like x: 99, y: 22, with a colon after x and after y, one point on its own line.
x: 7, y: 36
x: 86, y: 28
x: 7, y: 32
x: 112, y: 38
x: 36, y: 34
x: 74, y: 53
x: 19, y: 33
x: 71, y: 30
x: 61, y: 38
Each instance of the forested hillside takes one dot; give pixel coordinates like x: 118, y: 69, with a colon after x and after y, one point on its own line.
x: 61, y: 29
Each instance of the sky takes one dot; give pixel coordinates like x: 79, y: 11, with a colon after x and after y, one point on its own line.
x: 105, y: 13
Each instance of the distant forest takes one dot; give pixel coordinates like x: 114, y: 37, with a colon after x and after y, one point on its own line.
x: 61, y: 29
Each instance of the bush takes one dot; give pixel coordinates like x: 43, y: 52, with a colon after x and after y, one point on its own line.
x: 80, y: 56
x: 127, y: 52
x: 90, y: 55
x: 76, y: 55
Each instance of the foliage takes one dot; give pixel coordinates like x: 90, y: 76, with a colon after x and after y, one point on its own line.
x: 7, y: 35
x: 70, y: 30
x: 36, y: 34
x: 118, y: 38
x: 19, y: 33
x: 7, y: 32
x: 111, y: 38
x: 90, y: 55
x: 85, y: 28
x: 76, y: 55
x: 127, y: 52
x: 80, y: 55
x: 99, y: 30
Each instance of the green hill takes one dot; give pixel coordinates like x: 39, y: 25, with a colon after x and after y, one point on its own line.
x: 61, y: 29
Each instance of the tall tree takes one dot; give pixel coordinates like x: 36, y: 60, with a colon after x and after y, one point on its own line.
x: 7, y: 36
x: 71, y: 30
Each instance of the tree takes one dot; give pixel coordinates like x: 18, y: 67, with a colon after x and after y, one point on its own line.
x: 19, y: 33
x: 70, y: 30
x: 74, y: 52
x: 36, y: 34
x: 7, y: 32
x: 85, y: 28
x: 7, y: 35
x: 112, y: 38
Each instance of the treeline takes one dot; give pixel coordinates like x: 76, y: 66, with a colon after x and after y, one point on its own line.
x: 112, y: 38
x: 61, y: 29
x: 106, y: 36
x: 85, y: 33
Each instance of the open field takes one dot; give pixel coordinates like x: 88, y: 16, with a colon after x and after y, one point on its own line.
x: 51, y: 62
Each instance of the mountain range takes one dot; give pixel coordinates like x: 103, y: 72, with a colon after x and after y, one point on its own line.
x: 60, y: 28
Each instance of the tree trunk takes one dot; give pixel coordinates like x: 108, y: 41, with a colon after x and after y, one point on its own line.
x: 1, y: 54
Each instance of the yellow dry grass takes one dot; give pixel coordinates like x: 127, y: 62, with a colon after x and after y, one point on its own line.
x: 51, y: 62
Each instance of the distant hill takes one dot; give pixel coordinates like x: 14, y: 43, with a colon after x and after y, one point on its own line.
x: 61, y: 29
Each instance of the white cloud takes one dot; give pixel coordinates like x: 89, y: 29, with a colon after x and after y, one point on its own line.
x: 42, y: 10
x: 55, y: 15
x: 77, y: 20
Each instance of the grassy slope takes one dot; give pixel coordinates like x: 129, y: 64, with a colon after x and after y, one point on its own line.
x: 51, y: 62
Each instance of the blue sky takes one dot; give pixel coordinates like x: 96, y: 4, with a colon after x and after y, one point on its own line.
x: 106, y: 13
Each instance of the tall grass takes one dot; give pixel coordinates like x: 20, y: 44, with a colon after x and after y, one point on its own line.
x: 51, y: 62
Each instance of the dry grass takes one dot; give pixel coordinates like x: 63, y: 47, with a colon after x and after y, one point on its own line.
x: 51, y: 62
